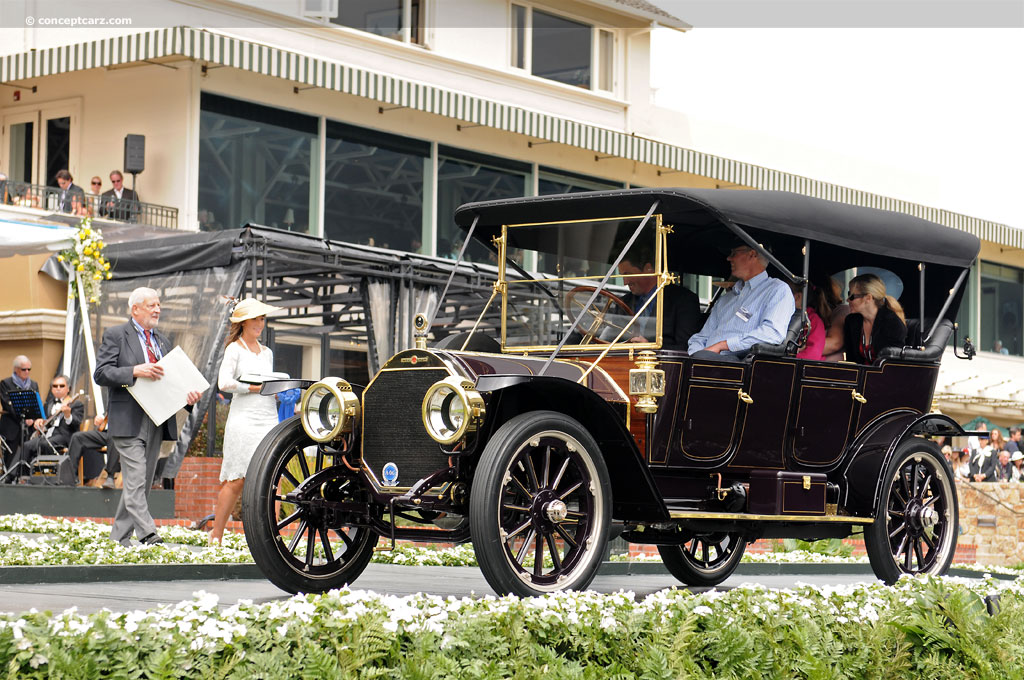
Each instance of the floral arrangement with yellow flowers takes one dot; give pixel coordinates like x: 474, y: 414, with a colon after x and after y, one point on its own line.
x: 85, y: 258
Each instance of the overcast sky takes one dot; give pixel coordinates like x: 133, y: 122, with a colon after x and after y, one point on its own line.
x: 934, y: 116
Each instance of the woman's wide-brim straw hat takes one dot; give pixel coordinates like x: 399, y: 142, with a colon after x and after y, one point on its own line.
x: 250, y: 308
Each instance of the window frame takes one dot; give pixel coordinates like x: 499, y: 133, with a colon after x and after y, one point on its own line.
x: 598, y: 73
x: 331, y: 8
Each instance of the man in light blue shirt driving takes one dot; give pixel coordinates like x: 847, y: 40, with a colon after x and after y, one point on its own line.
x: 756, y: 310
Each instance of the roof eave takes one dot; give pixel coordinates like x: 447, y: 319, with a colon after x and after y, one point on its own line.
x: 666, y: 20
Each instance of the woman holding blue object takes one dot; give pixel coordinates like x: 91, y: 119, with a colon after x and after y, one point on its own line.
x: 252, y: 414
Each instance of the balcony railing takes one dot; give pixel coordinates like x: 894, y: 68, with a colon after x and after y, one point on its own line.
x: 88, y: 205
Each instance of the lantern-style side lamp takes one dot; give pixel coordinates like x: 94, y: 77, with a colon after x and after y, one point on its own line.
x: 646, y: 382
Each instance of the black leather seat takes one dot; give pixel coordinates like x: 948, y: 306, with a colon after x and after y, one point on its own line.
x: 918, y: 348
x: 799, y: 325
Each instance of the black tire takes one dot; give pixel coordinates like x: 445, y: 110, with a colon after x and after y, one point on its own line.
x: 541, y: 486
x: 918, y: 517
x: 283, y: 461
x: 704, y: 560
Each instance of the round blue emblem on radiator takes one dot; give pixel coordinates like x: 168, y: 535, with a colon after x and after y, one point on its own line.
x: 389, y: 474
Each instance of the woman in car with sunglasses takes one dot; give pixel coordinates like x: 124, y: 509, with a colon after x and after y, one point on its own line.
x: 876, y: 320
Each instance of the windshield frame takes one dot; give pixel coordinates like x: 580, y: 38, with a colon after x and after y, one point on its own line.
x: 660, y: 271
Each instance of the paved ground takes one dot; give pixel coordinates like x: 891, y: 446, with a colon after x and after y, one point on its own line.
x: 383, y: 578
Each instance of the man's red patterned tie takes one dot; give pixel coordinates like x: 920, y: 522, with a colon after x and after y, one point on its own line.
x: 149, y: 347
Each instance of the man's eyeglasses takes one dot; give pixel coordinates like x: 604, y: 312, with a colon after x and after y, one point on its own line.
x: 22, y: 368
x: 116, y: 181
x: 96, y: 184
x: 855, y: 296
x: 57, y: 387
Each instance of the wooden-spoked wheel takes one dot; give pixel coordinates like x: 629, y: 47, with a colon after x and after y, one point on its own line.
x: 917, y: 519
x: 298, y: 538
x: 599, y: 316
x: 704, y: 560
x: 540, y: 506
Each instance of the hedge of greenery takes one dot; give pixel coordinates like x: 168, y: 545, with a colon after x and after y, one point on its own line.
x: 922, y: 628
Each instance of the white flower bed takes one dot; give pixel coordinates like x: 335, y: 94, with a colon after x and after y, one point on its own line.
x: 65, y: 542
x: 923, y: 627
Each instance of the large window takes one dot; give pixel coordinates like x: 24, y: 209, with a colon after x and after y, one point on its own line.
x: 1002, y: 309
x: 562, y: 49
x: 464, y: 177
x: 373, y: 187
x: 395, y: 19
x: 255, y: 164
x: 551, y: 181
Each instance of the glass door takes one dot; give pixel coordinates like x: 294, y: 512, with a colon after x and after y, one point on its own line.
x: 20, y: 146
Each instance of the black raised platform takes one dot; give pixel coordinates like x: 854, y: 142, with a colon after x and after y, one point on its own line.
x: 64, y: 501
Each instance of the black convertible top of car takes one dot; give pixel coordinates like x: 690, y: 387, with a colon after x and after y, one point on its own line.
x: 782, y: 219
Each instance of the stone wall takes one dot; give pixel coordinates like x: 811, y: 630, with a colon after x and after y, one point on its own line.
x: 992, y: 518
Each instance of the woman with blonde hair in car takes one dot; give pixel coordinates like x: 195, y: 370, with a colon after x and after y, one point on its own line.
x: 875, y: 322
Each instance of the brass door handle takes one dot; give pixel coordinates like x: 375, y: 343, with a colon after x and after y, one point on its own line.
x: 744, y: 397
x: 857, y: 396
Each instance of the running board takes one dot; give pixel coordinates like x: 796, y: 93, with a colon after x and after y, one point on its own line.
x: 742, y: 516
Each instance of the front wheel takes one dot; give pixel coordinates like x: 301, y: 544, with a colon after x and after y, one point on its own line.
x: 298, y: 539
x: 917, y: 519
x: 704, y: 560
x: 540, y: 506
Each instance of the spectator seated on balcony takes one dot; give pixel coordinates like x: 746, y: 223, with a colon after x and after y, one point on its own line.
x: 5, y: 191
x: 120, y: 203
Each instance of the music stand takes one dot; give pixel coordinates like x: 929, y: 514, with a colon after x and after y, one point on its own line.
x: 27, y: 405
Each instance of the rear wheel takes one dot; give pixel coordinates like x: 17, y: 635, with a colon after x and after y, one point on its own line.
x: 917, y: 519
x: 704, y: 560
x: 298, y: 539
x: 540, y: 506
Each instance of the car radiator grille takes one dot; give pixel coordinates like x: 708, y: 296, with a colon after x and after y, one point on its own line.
x: 393, y: 429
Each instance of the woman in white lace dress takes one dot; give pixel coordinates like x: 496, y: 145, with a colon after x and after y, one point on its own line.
x: 252, y: 415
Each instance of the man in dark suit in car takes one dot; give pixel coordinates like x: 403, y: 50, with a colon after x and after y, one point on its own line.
x: 680, y: 308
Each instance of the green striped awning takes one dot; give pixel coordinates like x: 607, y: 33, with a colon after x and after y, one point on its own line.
x: 303, y: 69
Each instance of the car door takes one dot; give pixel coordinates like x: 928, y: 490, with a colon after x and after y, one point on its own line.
x: 709, y: 411
x: 828, y: 399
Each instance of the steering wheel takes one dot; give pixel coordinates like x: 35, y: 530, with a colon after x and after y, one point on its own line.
x: 598, y: 315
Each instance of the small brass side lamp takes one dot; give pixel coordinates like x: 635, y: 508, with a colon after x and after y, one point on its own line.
x: 646, y: 382
x: 420, y: 329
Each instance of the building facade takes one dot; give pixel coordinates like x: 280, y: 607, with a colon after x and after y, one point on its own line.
x: 369, y: 121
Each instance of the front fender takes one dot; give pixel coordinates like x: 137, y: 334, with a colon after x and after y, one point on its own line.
x: 634, y: 494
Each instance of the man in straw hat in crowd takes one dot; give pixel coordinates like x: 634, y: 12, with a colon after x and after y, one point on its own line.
x: 128, y: 352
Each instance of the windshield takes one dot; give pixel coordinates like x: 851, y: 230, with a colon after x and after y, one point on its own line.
x: 571, y: 259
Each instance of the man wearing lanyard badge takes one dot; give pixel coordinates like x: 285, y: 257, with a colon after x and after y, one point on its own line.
x: 757, y: 309
x: 128, y: 352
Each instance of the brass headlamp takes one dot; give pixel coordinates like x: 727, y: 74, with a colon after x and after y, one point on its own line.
x: 646, y: 382
x: 328, y: 409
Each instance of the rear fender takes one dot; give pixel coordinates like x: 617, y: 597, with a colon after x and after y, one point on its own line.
x: 634, y: 495
x: 875, y: 448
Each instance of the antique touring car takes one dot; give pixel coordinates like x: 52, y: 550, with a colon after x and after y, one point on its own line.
x: 576, y: 423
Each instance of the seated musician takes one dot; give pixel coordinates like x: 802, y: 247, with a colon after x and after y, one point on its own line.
x: 64, y: 417
x: 757, y: 309
x: 680, y: 308
x: 88, y: 447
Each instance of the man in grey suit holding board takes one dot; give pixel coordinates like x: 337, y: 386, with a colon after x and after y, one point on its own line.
x: 128, y: 352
